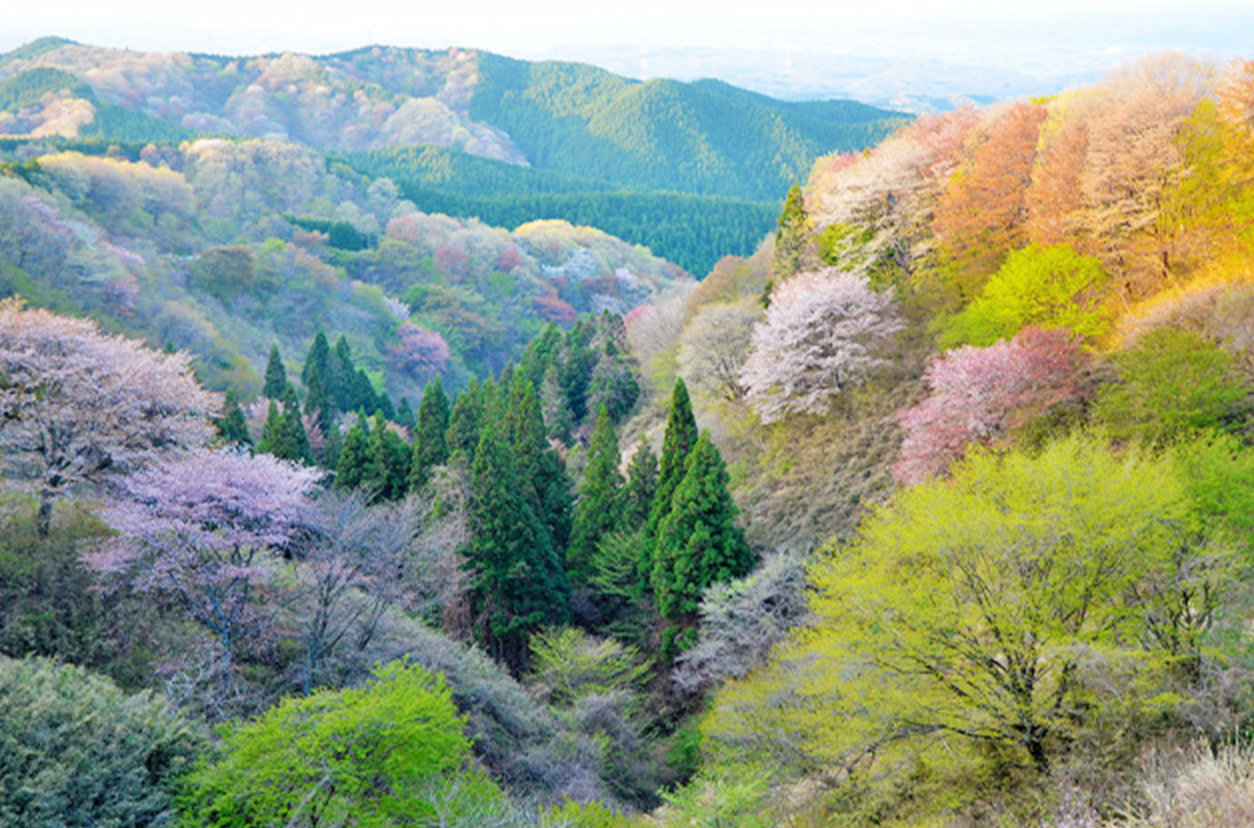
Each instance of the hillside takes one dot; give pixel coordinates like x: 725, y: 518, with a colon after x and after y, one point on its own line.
x: 549, y: 126
x: 935, y: 511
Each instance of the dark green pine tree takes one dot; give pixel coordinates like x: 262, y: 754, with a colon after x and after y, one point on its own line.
x: 386, y: 475
x: 276, y: 375
x: 318, y: 358
x: 792, y: 237
x: 354, y: 460
x: 319, y: 402
x: 518, y: 581
x: 294, y: 442
x: 463, y: 422
x: 385, y: 406
x: 598, y: 510
x: 641, y: 486
x: 405, y: 414
x: 537, y: 465
x: 340, y: 373
x: 698, y: 542
x: 430, y: 435
x: 272, y: 431
x: 231, y: 426
x: 677, y: 444
x: 362, y: 396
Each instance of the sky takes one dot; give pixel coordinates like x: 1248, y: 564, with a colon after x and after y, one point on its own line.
x: 1056, y: 38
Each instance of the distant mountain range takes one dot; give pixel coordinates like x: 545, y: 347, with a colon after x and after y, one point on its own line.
x: 691, y: 170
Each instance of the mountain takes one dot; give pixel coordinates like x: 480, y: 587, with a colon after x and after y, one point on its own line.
x: 550, y: 127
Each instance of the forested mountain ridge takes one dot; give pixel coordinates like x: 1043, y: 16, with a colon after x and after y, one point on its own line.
x: 936, y: 511
x: 382, y: 110
x: 701, y: 138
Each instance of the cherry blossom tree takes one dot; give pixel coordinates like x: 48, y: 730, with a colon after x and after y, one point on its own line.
x: 198, y: 526
x: 76, y: 403
x: 420, y: 352
x: 980, y: 393
x: 819, y: 336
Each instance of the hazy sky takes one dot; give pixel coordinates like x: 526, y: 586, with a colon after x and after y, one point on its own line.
x: 1043, y: 37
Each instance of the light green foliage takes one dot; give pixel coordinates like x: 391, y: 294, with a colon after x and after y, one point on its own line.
x: 77, y: 751
x: 1014, y: 608
x: 373, y: 756
x: 1171, y: 383
x: 567, y: 664
x: 1046, y: 287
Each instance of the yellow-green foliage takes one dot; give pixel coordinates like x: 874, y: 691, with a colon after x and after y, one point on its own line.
x: 391, y: 750
x: 1046, y: 287
x: 1005, y: 616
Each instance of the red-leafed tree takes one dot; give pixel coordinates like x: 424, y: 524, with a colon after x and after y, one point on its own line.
x: 197, y: 528
x: 76, y: 403
x: 979, y: 394
x: 820, y: 334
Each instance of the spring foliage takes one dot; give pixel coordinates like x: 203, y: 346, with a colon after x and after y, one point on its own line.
x: 821, y: 335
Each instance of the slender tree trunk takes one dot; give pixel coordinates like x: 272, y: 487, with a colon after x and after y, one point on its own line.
x: 43, y: 518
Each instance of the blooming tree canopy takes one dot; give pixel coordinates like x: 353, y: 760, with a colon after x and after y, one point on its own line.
x: 75, y: 402
x: 819, y: 336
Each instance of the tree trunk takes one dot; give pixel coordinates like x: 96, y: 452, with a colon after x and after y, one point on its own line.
x: 43, y: 518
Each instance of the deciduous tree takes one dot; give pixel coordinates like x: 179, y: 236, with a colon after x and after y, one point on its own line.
x: 820, y: 335
x: 76, y: 404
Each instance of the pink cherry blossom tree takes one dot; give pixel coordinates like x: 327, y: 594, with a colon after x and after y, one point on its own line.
x: 978, y: 394
x: 820, y: 335
x: 198, y: 526
x: 76, y: 403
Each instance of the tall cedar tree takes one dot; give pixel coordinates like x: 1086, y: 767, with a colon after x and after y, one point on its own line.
x: 792, y: 235
x: 340, y: 373
x: 641, y: 487
x: 293, y: 442
x: 231, y: 426
x: 600, y: 499
x: 698, y: 542
x: 362, y: 394
x: 519, y: 583
x: 276, y: 375
x: 537, y: 466
x: 272, y: 430
x: 463, y: 423
x: 354, y: 460
x: 430, y: 444
x: 318, y: 358
x: 387, y: 473
x: 405, y: 414
x: 681, y: 436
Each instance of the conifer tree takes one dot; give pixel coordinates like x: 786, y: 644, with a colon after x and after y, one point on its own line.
x: 641, y: 486
x: 293, y: 441
x: 331, y: 448
x: 318, y: 358
x: 385, y: 406
x: 463, y: 425
x: 681, y: 436
x: 792, y: 235
x: 430, y: 434
x: 518, y: 579
x: 362, y: 396
x: 354, y: 460
x: 542, y: 470
x: 387, y: 471
x: 318, y: 398
x: 340, y: 373
x: 598, y: 511
x: 231, y: 426
x: 698, y: 542
x: 405, y: 414
x: 276, y: 375
x: 272, y: 431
